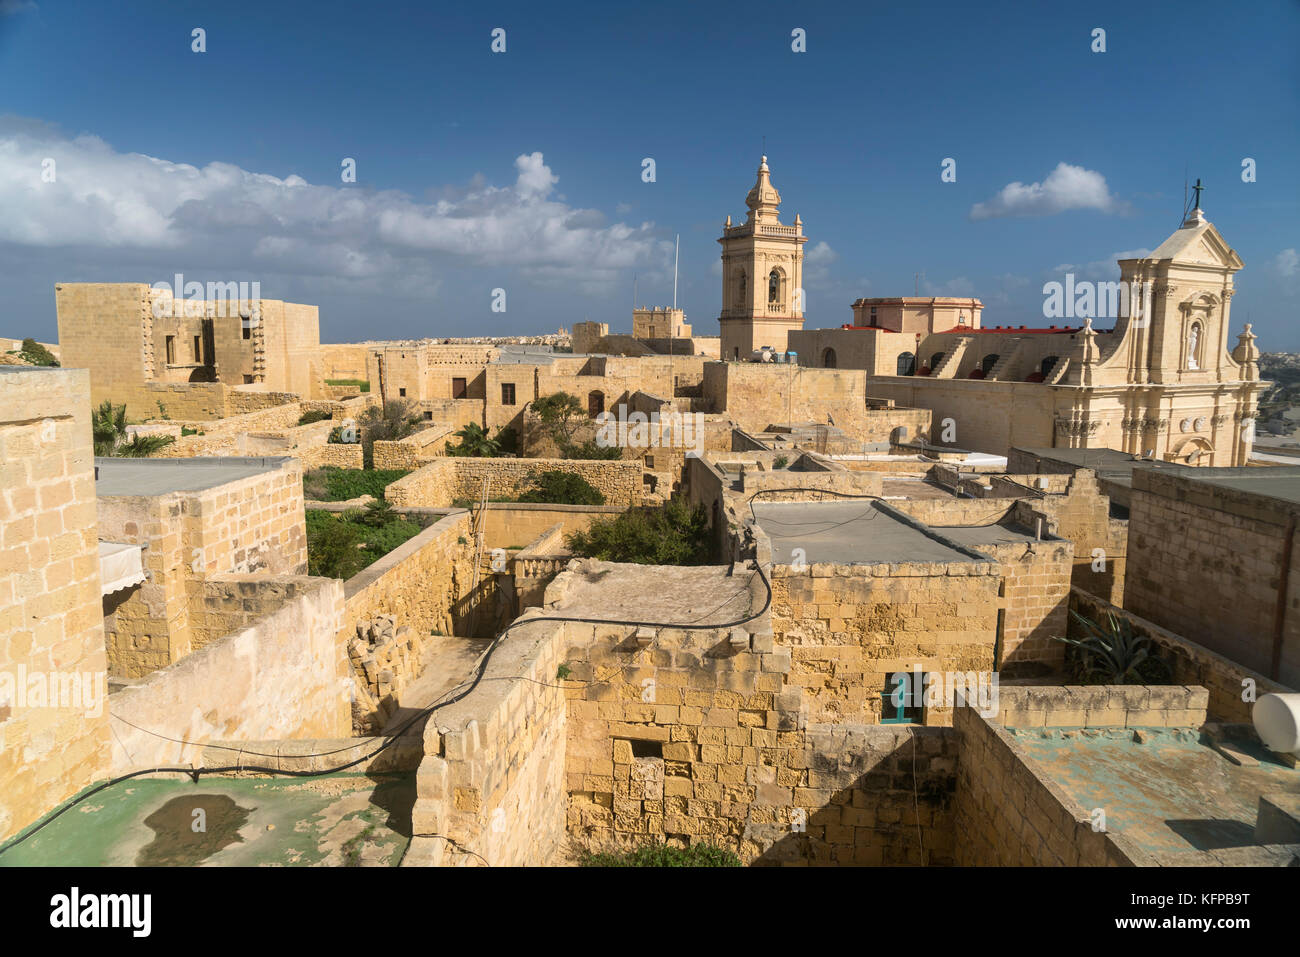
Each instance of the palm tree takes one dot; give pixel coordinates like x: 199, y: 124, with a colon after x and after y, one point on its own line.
x: 475, y: 442
x: 108, y: 429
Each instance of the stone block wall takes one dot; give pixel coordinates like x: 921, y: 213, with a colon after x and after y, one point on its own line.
x: 419, y: 582
x: 491, y: 787
x: 283, y: 674
x: 445, y: 480
x: 1218, y: 567
x: 1036, y: 595
x: 51, y: 628
x: 847, y: 628
x: 255, y: 524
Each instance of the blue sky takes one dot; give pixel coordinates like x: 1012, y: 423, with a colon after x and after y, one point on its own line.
x: 522, y: 170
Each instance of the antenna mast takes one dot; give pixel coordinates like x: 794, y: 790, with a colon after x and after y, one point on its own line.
x: 676, y: 253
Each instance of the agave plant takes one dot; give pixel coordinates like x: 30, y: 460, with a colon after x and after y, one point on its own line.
x: 1114, y: 653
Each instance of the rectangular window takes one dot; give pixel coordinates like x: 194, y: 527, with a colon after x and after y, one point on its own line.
x: 248, y: 331
x: 428, y: 416
x: 507, y: 393
x: 171, y: 350
x: 458, y: 388
x: 248, y: 380
x: 402, y: 393
x: 900, y: 702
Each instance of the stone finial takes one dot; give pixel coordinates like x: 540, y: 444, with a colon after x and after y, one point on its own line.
x: 1247, y: 354
x: 1085, y: 355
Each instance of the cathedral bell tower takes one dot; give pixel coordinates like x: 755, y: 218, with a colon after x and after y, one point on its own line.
x: 762, y: 275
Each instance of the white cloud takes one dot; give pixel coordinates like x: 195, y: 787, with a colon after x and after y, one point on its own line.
x: 1099, y: 269
x: 117, y: 208
x: 1287, y: 262
x: 817, y: 261
x: 1066, y: 187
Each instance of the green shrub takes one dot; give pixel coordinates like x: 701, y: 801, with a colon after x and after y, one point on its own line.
x: 562, y: 488
x: 780, y: 462
x: 330, y: 484
x: 37, y: 354
x: 592, y: 450
x: 663, y: 855
x: 339, y: 546
x: 674, y: 534
x: 316, y: 415
x: 361, y: 384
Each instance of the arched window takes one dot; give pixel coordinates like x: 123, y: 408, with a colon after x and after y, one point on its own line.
x: 906, y: 364
x: 1194, y: 346
x: 1046, y: 366
x: 989, y: 362
x: 828, y: 359
x: 773, y: 287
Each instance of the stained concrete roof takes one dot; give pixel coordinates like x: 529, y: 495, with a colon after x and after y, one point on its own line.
x: 117, y: 476
x: 1175, y: 796
x: 854, y: 533
x: 1280, y: 482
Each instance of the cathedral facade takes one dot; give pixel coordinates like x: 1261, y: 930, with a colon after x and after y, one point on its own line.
x: 1164, y: 382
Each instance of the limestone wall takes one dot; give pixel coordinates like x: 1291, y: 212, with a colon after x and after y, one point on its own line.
x: 1036, y: 593
x: 491, y: 788
x: 510, y: 525
x: 448, y: 479
x: 249, y: 525
x: 281, y: 675
x: 51, y: 626
x: 1208, y: 563
x: 419, y: 582
x: 847, y: 628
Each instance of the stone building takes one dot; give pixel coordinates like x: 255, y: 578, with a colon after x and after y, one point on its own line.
x: 1161, y: 381
x: 136, y: 340
x: 762, y: 275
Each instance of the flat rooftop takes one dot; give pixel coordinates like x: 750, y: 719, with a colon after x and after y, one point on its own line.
x: 1111, y: 465
x: 974, y: 536
x: 1280, y: 482
x: 332, y: 820
x: 681, y: 594
x: 118, y: 476
x: 1174, y: 795
x: 854, y: 533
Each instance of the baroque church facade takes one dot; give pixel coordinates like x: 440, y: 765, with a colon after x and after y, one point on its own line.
x: 1163, y: 383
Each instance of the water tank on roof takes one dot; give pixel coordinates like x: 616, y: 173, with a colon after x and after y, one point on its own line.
x: 792, y: 357
x: 1277, y: 721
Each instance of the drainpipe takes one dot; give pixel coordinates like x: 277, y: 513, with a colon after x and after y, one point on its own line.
x: 1279, y: 611
x: 1002, y: 616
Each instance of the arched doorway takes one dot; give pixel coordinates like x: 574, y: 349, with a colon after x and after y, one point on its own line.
x: 1047, y: 365
x: 989, y: 362
x: 828, y: 359
x: 595, y: 403
x: 906, y: 364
